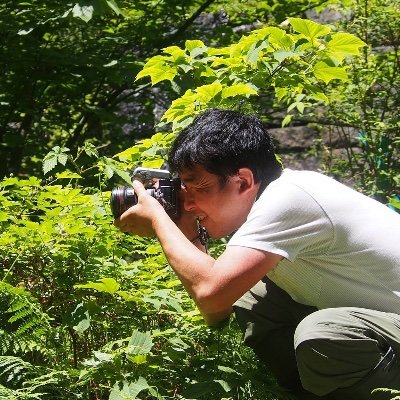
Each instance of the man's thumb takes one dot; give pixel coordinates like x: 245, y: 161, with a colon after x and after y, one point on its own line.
x: 138, y: 188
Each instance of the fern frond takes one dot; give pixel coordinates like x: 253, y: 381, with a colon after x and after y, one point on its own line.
x: 7, y: 394
x: 23, y: 324
x: 14, y: 369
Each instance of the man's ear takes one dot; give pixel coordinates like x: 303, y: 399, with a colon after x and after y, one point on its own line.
x: 246, y: 180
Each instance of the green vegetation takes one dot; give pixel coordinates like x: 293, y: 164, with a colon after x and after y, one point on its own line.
x: 88, y: 312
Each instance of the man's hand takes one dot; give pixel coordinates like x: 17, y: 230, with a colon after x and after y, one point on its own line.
x: 140, y: 218
x: 187, y: 221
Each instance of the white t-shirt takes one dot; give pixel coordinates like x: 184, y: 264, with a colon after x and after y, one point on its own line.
x: 340, y: 248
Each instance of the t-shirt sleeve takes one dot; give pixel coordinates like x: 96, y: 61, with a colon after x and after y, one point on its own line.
x: 288, y: 221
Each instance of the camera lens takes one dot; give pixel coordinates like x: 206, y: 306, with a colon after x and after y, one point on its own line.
x: 121, y: 199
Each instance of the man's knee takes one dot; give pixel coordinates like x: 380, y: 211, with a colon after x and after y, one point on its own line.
x: 333, y: 351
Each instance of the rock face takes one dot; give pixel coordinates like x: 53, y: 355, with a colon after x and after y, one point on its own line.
x: 316, y: 149
x: 295, y: 144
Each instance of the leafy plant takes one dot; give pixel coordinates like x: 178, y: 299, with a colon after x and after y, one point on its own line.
x: 294, y: 65
x: 366, y: 104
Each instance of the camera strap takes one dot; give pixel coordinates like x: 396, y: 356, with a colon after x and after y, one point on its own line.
x: 202, y: 235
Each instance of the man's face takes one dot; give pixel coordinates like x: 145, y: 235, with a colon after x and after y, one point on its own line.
x: 221, y: 208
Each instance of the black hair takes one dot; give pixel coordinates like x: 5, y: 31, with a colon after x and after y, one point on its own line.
x: 223, y: 141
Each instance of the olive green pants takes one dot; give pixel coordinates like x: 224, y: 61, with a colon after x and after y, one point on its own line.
x: 341, y: 353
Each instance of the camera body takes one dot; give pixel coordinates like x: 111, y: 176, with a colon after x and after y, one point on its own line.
x: 166, y: 192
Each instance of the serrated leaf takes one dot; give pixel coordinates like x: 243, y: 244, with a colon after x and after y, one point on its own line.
x: 158, y: 73
x: 140, y: 343
x: 49, y: 163
x: 176, y: 52
x: 343, y: 44
x: 136, y: 387
x: 120, y: 394
x: 158, y: 68
x: 309, y: 29
x: 254, y: 52
x: 124, y: 175
x: 62, y: 158
x: 84, y: 12
x: 90, y: 150
x: 193, y: 44
x: 207, y: 92
x: 109, y: 171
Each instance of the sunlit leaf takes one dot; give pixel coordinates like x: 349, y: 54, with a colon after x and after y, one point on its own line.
x: 326, y: 73
x: 140, y: 343
x: 108, y: 285
x: 240, y: 89
x: 310, y: 29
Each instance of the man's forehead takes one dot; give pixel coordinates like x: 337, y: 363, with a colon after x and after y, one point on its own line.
x: 190, y: 175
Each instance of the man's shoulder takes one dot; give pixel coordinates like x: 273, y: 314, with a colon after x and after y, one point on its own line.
x: 312, y: 183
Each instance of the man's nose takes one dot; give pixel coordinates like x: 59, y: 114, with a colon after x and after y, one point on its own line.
x: 188, y: 202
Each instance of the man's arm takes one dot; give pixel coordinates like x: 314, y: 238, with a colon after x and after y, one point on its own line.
x: 213, y: 284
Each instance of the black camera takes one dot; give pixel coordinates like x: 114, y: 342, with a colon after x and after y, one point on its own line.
x: 166, y: 192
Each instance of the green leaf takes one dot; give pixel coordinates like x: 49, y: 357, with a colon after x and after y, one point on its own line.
x: 254, y: 52
x: 281, y: 55
x: 176, y: 52
x: 53, y: 157
x: 108, y: 285
x: 90, y: 149
x: 240, y: 89
x: 228, y: 370
x: 62, y: 158
x: 129, y: 391
x: 158, y: 68
x: 193, y: 44
x: 68, y: 175
x: 225, y: 385
x: 326, y: 73
x: 158, y: 73
x: 343, y: 44
x: 207, y: 92
x: 49, y: 162
x: 136, y: 387
x: 310, y: 29
x: 84, y: 12
x: 114, y: 6
x: 140, y: 343
x: 286, y: 121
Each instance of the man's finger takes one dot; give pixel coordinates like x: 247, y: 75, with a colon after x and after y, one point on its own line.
x: 139, y: 188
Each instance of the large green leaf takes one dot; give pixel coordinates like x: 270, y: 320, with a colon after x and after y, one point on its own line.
x: 326, y: 73
x: 140, y: 343
x: 343, y: 44
x: 310, y: 29
x: 129, y: 391
x: 207, y: 92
